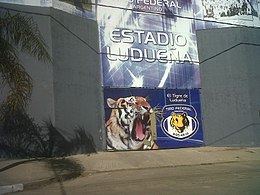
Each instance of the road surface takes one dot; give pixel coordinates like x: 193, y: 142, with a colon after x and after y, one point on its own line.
x: 226, y: 178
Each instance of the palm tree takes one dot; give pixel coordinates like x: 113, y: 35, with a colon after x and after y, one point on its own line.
x: 18, y: 33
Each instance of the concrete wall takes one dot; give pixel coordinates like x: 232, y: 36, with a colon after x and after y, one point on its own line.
x: 230, y: 77
x: 77, y: 77
x: 68, y: 91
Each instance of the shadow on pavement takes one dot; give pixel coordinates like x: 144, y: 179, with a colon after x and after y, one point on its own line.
x: 64, y: 169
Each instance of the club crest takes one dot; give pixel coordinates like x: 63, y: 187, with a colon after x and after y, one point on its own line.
x: 180, y: 121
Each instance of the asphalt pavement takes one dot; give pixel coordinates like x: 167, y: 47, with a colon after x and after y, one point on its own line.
x: 17, y: 175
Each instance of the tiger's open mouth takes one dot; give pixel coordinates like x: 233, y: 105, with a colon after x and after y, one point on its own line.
x: 140, y: 126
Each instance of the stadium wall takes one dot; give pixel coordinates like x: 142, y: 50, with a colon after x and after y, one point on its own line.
x: 230, y: 77
x: 69, y: 91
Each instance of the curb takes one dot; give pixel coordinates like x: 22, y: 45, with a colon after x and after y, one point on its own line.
x: 34, y: 184
x: 11, y: 188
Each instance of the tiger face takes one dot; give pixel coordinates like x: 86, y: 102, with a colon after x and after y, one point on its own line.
x: 179, y: 121
x: 129, y: 122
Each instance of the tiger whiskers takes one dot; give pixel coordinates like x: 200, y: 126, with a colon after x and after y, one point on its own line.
x: 158, y: 112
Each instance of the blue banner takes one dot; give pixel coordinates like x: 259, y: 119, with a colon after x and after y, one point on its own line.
x: 139, y: 119
x: 145, y: 58
x: 152, y: 43
x: 148, y: 50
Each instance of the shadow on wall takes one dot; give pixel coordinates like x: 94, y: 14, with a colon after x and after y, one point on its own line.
x: 21, y: 137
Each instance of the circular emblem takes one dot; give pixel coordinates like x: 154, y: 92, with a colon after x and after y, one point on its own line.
x: 180, y: 122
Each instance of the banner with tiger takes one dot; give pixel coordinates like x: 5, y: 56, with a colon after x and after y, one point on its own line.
x: 141, y: 119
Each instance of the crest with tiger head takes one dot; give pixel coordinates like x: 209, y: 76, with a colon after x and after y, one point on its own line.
x: 179, y: 121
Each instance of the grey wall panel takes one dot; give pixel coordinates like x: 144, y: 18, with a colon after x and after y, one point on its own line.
x: 229, y: 77
x: 68, y: 91
x: 77, y: 84
x: 41, y: 106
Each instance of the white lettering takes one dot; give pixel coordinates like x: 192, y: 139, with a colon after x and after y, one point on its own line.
x: 180, y: 40
x: 148, y: 55
x: 127, y: 36
x: 145, y: 37
x: 139, y: 35
x: 167, y: 3
x: 113, y: 35
x: 136, y: 55
x: 163, y: 38
x: 149, y: 38
x: 162, y: 55
x: 110, y: 56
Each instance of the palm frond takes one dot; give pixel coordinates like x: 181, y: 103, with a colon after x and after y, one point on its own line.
x: 14, y: 75
x: 22, y: 32
x: 20, y: 84
x: 18, y: 33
